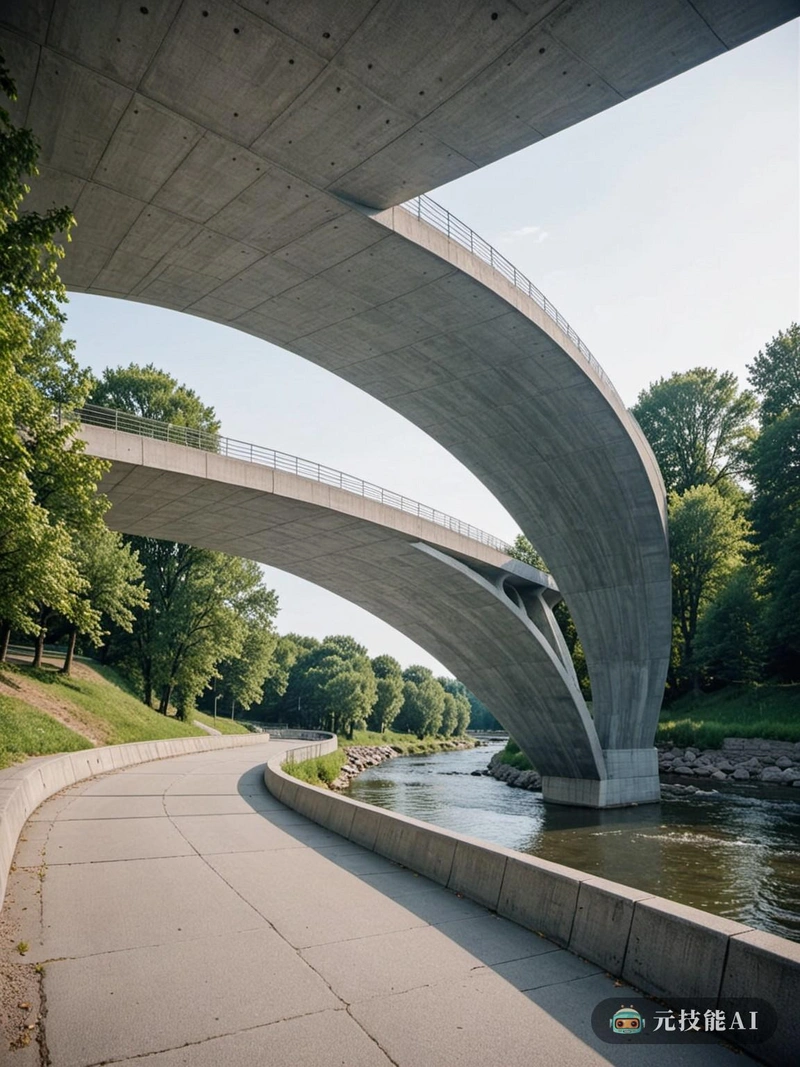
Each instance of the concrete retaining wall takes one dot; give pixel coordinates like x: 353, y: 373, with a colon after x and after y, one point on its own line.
x: 25, y: 786
x: 661, y: 947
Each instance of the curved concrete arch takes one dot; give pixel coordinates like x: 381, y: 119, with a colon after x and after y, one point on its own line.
x: 232, y: 167
x: 439, y: 587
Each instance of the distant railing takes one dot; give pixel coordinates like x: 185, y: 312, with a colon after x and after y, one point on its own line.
x: 92, y: 415
x: 439, y: 217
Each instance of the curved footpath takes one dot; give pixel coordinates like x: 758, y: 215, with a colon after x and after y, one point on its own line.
x: 188, y: 916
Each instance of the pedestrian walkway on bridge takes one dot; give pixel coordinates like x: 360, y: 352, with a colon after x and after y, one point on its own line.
x: 187, y: 917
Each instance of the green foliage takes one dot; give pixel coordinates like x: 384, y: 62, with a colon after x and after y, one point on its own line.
x: 706, y: 719
x: 480, y: 718
x: 47, y: 482
x: 320, y: 771
x: 775, y: 471
x: 203, y: 607
x: 775, y: 374
x: 524, y: 551
x: 423, y: 702
x: 153, y: 394
x: 513, y: 755
x: 698, y: 425
x: 241, y: 679
x: 389, y: 687
x: 729, y: 644
x: 708, y: 540
x: 462, y: 709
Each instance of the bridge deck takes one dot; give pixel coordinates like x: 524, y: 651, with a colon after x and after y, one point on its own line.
x: 189, y: 917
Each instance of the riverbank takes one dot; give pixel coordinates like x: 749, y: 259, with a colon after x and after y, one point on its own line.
x: 740, y: 759
x: 337, y: 770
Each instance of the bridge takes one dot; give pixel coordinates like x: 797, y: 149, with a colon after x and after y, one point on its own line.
x: 450, y: 587
x: 257, y: 165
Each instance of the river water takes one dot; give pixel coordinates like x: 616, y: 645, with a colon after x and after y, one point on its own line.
x: 734, y: 852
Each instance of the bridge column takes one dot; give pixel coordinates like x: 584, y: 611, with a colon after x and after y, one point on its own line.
x: 632, y: 778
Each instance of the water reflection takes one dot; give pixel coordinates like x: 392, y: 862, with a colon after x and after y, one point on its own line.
x: 735, y: 852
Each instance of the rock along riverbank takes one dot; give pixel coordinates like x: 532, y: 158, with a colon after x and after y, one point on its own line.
x: 360, y: 757
x: 738, y: 760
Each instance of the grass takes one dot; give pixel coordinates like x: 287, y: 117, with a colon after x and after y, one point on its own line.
x: 409, y: 744
x: 319, y: 771
x: 25, y: 731
x: 103, y: 703
x: 323, y: 770
x: 225, y: 726
x: 706, y: 719
x: 514, y: 756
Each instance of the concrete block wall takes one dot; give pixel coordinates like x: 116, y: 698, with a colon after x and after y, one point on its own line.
x: 661, y: 947
x: 24, y: 786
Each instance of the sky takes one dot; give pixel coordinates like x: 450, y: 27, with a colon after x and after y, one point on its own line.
x: 666, y: 231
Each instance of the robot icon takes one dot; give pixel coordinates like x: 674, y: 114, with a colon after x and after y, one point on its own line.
x: 627, y: 1022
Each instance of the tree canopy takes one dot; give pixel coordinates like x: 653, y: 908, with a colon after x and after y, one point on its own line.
x: 699, y: 425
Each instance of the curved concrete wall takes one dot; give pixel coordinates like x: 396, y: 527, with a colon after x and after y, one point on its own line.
x: 24, y: 786
x: 665, y: 949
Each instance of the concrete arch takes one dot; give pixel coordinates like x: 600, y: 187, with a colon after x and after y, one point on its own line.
x: 240, y: 177
x: 441, y: 588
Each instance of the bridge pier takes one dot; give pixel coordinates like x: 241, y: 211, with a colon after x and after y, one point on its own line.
x: 632, y: 778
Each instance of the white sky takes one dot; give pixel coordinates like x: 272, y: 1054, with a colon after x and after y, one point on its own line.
x: 665, y: 230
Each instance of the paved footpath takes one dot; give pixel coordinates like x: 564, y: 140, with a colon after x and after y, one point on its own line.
x: 189, y: 918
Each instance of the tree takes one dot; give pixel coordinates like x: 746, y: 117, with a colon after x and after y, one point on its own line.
x: 698, y: 425
x: 729, y: 645
x: 449, y: 715
x: 523, y: 550
x: 242, y: 678
x: 775, y: 374
x: 113, y: 589
x: 332, y: 686
x: 389, y: 686
x: 153, y: 394
x: 775, y: 472
x: 47, y: 483
x: 423, y: 702
x: 708, y: 541
x: 463, y: 709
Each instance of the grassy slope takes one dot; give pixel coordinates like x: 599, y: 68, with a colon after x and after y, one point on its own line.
x: 98, y: 700
x: 26, y: 731
x: 706, y: 719
x: 225, y: 726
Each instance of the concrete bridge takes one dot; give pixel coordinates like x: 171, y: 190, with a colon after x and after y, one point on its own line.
x: 449, y: 587
x: 245, y: 162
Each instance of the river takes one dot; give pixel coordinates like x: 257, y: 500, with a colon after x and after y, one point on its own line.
x: 735, y: 852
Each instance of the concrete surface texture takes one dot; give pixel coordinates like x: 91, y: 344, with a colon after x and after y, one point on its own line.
x: 661, y: 947
x: 483, y: 615
x: 232, y: 160
x: 188, y: 917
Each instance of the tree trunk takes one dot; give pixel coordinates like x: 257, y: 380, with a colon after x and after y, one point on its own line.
x: 38, y: 652
x: 5, y: 637
x: 148, y: 693
x: 70, y: 656
x: 166, y: 694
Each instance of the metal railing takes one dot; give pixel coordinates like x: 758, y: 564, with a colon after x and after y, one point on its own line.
x: 123, y: 421
x: 440, y: 218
